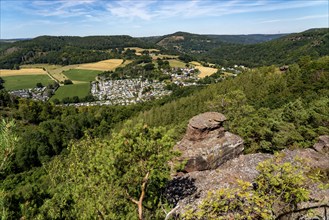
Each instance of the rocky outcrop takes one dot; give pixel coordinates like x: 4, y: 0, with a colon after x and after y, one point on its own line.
x: 244, y: 168
x: 214, y: 161
x: 322, y: 146
x: 206, y: 145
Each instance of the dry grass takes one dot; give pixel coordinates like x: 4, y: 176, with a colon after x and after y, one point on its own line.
x: 205, y: 71
x: 22, y: 72
x: 104, y: 65
x: 54, y: 70
x: 57, y: 73
x: 195, y: 63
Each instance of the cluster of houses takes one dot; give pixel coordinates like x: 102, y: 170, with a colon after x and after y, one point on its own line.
x: 183, y: 76
x: 40, y: 94
x: 127, y: 91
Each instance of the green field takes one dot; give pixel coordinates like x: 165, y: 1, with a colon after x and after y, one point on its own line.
x: 25, y: 82
x: 81, y: 75
x: 176, y: 63
x: 80, y: 90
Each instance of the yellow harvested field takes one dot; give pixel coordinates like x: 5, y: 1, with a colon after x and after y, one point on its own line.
x: 22, y: 72
x: 104, y: 65
x: 205, y: 71
x: 195, y: 63
x: 54, y: 71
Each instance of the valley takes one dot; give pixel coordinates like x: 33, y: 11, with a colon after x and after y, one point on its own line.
x: 173, y: 126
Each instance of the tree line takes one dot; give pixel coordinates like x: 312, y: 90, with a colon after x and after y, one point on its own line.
x: 57, y: 148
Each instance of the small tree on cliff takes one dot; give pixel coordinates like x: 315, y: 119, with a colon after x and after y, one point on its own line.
x: 112, y: 179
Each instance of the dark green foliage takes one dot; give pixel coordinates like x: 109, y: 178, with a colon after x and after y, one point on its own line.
x: 67, y: 82
x: 65, y: 50
x: 39, y: 85
x: 204, y: 39
x: 7, y: 100
x: 100, y: 178
x: 271, y: 110
x: 140, y: 68
x: 285, y: 50
x: 1, y: 83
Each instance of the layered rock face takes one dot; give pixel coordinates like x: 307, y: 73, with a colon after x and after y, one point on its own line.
x: 214, y: 161
x: 244, y: 168
x: 206, y: 145
x: 322, y: 146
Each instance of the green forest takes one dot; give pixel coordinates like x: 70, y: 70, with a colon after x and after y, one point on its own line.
x: 115, y: 162
x: 111, y: 162
x: 225, y: 50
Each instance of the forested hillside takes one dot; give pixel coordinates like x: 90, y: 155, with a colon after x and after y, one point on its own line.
x: 199, y: 43
x: 65, y: 50
x: 285, y: 50
x: 225, y: 50
x: 95, y: 162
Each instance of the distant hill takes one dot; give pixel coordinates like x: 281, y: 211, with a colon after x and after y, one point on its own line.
x: 65, y: 50
x: 187, y: 42
x: 285, y: 50
x: 249, y: 50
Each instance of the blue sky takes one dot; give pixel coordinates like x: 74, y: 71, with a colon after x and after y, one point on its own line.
x: 31, y: 18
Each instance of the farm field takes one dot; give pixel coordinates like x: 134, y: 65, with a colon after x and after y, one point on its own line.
x: 205, y: 71
x: 81, y: 74
x: 176, y: 63
x: 54, y: 70
x: 81, y: 90
x: 25, y: 81
x: 195, y: 63
x: 104, y: 65
x: 22, y: 72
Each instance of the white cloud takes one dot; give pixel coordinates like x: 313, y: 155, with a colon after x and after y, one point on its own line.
x: 131, y: 9
x: 61, y: 8
x: 309, y: 17
x: 147, y: 9
x: 312, y: 17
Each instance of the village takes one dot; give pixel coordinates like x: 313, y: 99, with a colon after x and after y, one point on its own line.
x: 127, y: 91
x: 38, y: 93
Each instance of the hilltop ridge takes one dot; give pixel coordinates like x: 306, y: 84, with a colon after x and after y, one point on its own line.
x: 219, y: 49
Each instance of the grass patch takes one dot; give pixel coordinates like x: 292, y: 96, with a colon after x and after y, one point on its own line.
x: 176, y: 63
x: 55, y: 71
x: 25, y: 82
x: 80, y: 90
x: 81, y: 75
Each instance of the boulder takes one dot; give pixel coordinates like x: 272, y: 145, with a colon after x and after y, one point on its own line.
x: 206, y: 145
x: 322, y: 146
x: 203, y: 125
